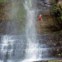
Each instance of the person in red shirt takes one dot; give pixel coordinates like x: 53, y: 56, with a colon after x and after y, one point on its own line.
x: 40, y: 17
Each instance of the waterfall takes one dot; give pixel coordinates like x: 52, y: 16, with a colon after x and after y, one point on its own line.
x: 31, y: 35
x: 33, y: 50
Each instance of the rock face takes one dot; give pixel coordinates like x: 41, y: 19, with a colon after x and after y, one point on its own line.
x: 44, y: 7
x: 49, y: 23
x: 46, y: 28
x: 5, y: 8
x: 3, y: 18
x: 8, y: 13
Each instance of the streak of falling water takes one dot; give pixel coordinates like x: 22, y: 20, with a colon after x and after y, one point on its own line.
x: 32, y: 45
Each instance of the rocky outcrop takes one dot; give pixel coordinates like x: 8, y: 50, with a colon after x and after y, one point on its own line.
x: 4, y: 10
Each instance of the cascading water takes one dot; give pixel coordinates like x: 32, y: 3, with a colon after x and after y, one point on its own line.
x: 32, y: 45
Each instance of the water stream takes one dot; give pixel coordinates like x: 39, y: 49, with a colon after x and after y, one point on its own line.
x: 31, y: 34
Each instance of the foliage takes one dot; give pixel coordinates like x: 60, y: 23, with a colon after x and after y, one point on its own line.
x: 56, y: 12
x: 1, y: 1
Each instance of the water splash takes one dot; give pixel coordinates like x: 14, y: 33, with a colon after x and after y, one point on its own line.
x: 7, y: 48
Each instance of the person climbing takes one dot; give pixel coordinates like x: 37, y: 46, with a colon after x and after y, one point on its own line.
x: 40, y: 17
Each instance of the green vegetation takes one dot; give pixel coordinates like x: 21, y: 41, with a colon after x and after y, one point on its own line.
x: 3, y: 1
x: 55, y: 61
x: 56, y: 12
x: 21, y: 17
